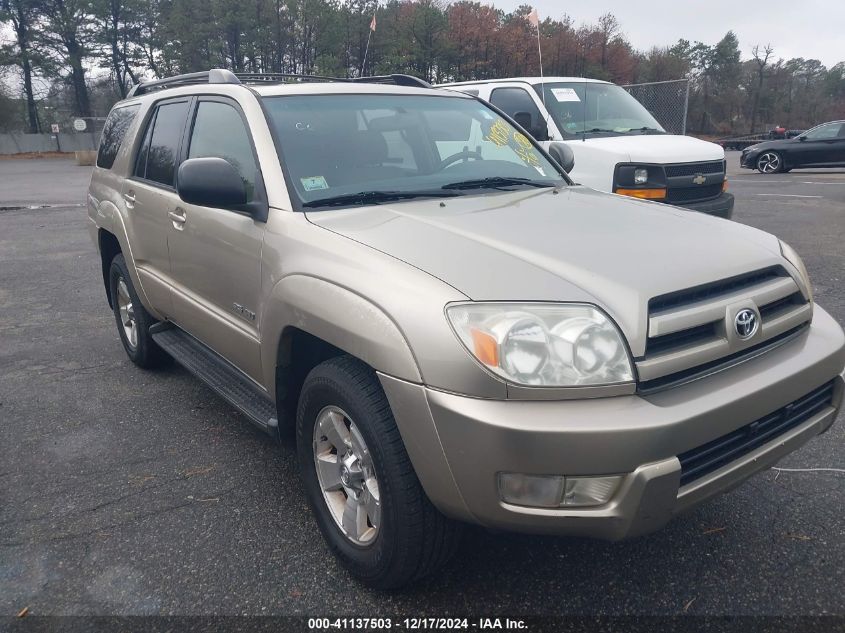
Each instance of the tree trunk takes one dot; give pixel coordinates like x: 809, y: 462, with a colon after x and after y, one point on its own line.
x: 31, y: 109
x: 80, y: 90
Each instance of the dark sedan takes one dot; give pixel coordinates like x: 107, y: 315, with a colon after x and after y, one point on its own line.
x: 822, y: 146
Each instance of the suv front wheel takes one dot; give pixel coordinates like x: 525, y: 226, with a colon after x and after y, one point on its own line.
x: 359, y: 480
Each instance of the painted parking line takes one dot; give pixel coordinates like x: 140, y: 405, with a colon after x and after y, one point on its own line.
x: 786, y: 195
x: 759, y: 180
x: 786, y: 182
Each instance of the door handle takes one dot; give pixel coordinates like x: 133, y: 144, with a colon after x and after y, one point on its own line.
x: 129, y: 196
x: 178, y: 218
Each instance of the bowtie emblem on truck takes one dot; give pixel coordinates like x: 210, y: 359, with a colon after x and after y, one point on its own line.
x: 699, y: 179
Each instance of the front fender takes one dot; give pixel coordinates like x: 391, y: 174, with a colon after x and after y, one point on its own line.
x: 338, y: 316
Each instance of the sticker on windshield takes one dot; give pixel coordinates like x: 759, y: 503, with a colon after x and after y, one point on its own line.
x: 565, y: 94
x: 313, y: 183
x: 499, y: 133
x: 502, y: 135
x: 524, y: 149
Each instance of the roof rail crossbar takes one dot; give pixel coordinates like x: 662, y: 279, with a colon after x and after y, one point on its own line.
x: 223, y: 76
x: 397, y: 79
x: 213, y: 76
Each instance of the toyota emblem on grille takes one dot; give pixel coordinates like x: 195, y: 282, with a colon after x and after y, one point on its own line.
x: 699, y: 179
x: 745, y: 323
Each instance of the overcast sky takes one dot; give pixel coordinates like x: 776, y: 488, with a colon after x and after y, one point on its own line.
x: 813, y: 29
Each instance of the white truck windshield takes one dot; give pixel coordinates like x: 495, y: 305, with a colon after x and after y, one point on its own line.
x: 596, y: 109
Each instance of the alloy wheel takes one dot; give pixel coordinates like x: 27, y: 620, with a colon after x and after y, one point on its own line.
x: 127, y: 313
x: 346, y: 475
x: 768, y: 163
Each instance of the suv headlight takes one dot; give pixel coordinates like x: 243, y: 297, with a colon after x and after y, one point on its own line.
x: 543, y: 344
x: 793, y: 258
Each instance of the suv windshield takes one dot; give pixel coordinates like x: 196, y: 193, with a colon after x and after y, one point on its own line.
x: 596, y: 109
x: 344, y: 150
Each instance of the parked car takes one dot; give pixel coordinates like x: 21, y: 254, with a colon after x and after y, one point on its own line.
x: 821, y: 146
x: 452, y: 330
x: 618, y: 145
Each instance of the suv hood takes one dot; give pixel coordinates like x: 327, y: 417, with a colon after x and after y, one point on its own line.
x: 655, y: 148
x: 576, y: 245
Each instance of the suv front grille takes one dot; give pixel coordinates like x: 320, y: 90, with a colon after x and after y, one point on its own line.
x: 714, y: 289
x: 689, y: 333
x: 709, y: 457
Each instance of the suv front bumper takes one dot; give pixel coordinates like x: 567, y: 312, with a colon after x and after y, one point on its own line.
x: 458, y: 445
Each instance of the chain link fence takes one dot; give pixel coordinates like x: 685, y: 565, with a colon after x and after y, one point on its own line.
x: 668, y: 102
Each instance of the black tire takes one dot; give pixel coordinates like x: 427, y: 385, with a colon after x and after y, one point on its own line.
x: 770, y: 162
x: 414, y: 538
x: 144, y: 353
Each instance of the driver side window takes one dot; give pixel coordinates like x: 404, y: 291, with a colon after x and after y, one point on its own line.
x: 219, y: 132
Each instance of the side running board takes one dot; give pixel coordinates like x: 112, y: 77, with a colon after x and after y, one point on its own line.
x: 218, y: 373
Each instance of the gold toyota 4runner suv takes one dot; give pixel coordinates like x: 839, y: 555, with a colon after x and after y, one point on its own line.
x: 456, y: 332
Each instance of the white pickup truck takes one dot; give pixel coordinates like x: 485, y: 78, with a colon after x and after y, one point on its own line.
x: 618, y: 144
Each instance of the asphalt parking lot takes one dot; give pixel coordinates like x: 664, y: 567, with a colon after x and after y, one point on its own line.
x: 129, y: 492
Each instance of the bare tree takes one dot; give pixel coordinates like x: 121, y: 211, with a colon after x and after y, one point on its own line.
x: 761, y: 61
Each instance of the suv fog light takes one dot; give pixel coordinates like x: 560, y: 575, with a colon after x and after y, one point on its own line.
x: 554, y: 491
x: 589, y: 491
x: 543, y: 491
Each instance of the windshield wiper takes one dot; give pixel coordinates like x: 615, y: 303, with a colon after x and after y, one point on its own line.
x: 597, y: 130
x: 375, y: 197
x: 496, y: 182
x: 646, y: 129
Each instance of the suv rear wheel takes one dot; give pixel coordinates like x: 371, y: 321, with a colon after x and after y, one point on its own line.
x: 133, y: 321
x: 359, y: 480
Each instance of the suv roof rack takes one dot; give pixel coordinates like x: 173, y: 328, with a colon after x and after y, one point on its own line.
x: 223, y: 76
x: 213, y: 76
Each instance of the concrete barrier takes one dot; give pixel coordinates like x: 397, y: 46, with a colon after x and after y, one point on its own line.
x: 13, y: 143
x: 86, y: 157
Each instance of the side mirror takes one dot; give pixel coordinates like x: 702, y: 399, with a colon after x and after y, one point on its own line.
x: 563, y: 154
x: 524, y: 119
x: 802, y: 138
x: 211, y: 182
x: 540, y: 132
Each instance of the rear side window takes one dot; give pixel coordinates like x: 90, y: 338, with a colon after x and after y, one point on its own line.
x: 219, y: 132
x: 113, y: 132
x: 159, y: 155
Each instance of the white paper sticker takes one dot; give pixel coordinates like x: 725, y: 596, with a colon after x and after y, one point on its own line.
x: 314, y: 182
x: 565, y: 94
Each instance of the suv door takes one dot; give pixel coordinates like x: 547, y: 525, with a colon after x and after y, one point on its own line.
x: 215, y: 254
x: 149, y: 194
